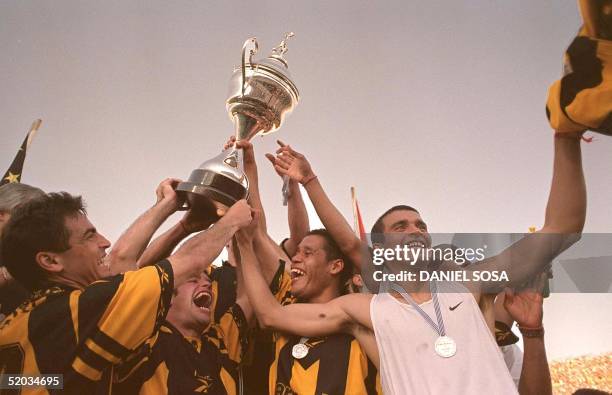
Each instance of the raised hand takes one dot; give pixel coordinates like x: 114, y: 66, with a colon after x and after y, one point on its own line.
x: 166, y: 193
x: 525, y: 306
x: 246, y: 234
x: 239, y: 214
x: 291, y: 163
x: 229, y: 143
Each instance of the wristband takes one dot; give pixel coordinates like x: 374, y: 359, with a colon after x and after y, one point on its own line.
x: 532, y: 332
x: 306, y: 181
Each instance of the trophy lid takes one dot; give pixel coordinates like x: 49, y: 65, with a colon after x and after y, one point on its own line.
x: 276, y: 59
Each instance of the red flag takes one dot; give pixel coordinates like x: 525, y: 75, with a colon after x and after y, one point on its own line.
x: 358, y: 226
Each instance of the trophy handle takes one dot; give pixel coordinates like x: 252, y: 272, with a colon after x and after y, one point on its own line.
x: 252, y: 52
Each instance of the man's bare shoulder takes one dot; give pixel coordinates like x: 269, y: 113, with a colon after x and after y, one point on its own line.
x: 357, y: 307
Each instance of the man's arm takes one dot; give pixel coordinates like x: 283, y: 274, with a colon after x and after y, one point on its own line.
x: 564, y: 220
x: 303, y: 319
x: 297, y: 216
x: 197, y: 253
x: 525, y: 308
x: 295, y: 165
x: 242, y: 299
x: 130, y: 245
x: 266, y: 249
x: 162, y: 246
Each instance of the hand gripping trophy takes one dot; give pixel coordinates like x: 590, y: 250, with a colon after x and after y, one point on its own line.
x: 261, y: 94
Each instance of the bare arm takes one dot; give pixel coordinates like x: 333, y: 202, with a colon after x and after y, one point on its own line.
x: 525, y: 308
x: 297, y: 216
x: 295, y: 165
x: 266, y: 249
x: 197, y: 253
x: 242, y: 298
x: 130, y: 245
x: 304, y: 319
x: 162, y: 246
x: 564, y: 220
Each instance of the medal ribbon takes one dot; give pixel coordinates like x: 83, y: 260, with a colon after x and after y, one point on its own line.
x: 439, y: 328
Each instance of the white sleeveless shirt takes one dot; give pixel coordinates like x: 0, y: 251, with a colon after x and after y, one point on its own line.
x: 408, y: 361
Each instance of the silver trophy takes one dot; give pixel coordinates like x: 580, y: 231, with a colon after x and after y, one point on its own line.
x: 261, y: 94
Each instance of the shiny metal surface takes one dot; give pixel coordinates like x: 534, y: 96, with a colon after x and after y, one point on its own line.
x: 261, y: 94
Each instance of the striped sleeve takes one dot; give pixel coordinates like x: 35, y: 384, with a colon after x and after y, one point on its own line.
x: 224, y: 287
x: 114, y: 317
x: 233, y: 330
x: 280, y: 286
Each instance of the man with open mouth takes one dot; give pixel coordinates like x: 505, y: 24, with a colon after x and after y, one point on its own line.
x: 194, y: 353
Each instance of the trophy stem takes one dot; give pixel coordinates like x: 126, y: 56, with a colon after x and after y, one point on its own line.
x: 246, y: 127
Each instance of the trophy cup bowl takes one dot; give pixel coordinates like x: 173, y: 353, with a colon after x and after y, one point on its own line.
x: 261, y: 94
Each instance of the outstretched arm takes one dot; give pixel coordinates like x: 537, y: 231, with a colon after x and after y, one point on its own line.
x: 525, y: 307
x: 242, y: 298
x: 266, y: 249
x: 197, y: 253
x: 130, y: 245
x: 304, y: 319
x: 566, y: 208
x: 297, y: 215
x: 162, y: 246
x: 564, y: 220
x: 295, y: 165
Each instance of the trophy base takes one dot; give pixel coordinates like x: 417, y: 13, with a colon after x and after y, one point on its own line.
x: 206, y: 192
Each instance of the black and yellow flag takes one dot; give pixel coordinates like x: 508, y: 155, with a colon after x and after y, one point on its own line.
x: 13, y: 174
x: 582, y: 98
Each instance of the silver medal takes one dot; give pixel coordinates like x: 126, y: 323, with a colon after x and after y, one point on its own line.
x: 299, y: 351
x: 445, y: 346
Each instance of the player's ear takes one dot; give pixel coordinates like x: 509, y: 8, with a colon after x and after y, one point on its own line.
x: 336, y: 266
x: 49, y: 262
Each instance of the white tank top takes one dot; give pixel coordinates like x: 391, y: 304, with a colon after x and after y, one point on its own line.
x: 408, y: 361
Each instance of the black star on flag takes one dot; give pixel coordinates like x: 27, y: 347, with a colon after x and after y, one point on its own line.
x: 13, y: 174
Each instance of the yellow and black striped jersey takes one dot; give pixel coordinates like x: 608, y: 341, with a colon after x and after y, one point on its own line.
x: 85, y: 334
x: 582, y: 98
x: 261, y: 353
x: 183, y: 365
x: 334, y: 365
x: 224, y: 285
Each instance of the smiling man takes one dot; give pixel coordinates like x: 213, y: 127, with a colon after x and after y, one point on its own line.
x: 191, y: 356
x: 76, y: 323
x: 420, y: 329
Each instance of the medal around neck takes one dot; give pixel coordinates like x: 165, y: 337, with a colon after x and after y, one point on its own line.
x: 261, y: 94
x: 299, y: 351
x: 445, y: 346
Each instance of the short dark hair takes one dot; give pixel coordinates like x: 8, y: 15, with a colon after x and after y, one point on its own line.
x: 35, y: 226
x: 378, y: 228
x: 332, y: 252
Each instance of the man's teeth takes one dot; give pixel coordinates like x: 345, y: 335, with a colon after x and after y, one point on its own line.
x: 416, y: 244
x: 297, y: 273
x: 202, y: 299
